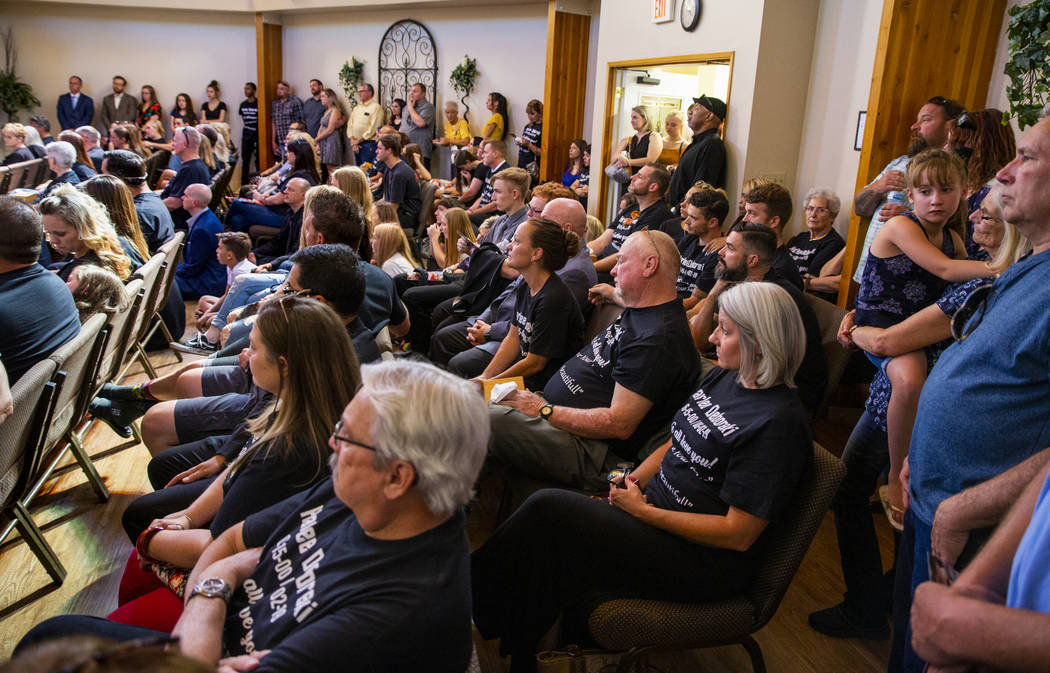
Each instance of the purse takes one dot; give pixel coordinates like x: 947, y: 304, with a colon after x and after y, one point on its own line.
x: 618, y: 173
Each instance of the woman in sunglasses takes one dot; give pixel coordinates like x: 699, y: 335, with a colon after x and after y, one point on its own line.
x: 277, y: 452
x: 865, y: 454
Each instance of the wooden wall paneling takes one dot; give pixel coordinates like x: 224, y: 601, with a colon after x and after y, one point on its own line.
x: 269, y: 64
x: 926, y: 48
x: 565, y: 88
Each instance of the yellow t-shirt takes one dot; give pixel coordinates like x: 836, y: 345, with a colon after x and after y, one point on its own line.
x: 497, y: 120
x: 457, y: 131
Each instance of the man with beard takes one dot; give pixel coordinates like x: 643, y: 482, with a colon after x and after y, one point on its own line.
x: 648, y: 185
x: 930, y: 129
x: 746, y: 257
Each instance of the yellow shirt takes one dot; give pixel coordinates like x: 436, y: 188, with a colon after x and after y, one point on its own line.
x: 457, y: 131
x: 497, y: 120
x: 365, y: 119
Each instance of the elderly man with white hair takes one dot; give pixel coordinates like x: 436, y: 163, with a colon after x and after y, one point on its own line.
x: 193, y: 170
x: 92, y: 138
x: 60, y: 158
x: 368, y: 570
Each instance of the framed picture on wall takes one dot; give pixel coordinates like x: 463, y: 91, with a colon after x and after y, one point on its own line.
x: 858, y: 140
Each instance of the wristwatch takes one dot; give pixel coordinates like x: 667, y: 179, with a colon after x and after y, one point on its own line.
x: 213, y: 587
x: 546, y: 410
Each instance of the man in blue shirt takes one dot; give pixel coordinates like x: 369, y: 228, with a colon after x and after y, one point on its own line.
x: 985, y: 404
x: 37, y: 314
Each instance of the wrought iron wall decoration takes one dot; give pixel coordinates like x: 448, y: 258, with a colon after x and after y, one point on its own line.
x: 407, y: 55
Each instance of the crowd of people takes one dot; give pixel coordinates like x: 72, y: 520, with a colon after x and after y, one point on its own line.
x: 311, y: 472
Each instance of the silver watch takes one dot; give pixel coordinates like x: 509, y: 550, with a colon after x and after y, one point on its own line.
x: 213, y: 587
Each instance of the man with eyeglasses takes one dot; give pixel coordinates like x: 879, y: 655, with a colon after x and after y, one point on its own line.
x: 613, y: 401
x: 365, y: 120
x: 369, y: 570
x: 983, y: 410
x: 886, y: 195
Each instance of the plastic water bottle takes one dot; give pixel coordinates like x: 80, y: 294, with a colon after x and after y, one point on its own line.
x: 897, y: 198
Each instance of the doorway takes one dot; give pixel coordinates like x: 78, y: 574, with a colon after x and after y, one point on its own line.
x: 661, y: 86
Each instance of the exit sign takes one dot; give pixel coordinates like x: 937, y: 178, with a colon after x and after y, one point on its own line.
x: 663, y: 11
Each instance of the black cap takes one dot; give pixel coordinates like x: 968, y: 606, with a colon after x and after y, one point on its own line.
x: 715, y: 105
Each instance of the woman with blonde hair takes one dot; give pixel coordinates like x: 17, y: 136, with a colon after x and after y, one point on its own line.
x: 96, y: 290
x: 353, y: 182
x: 456, y: 226
x: 78, y: 228
x: 153, y: 136
x: 119, y: 202
x: 676, y: 141
x: 391, y: 250
x: 641, y: 148
x: 15, y: 141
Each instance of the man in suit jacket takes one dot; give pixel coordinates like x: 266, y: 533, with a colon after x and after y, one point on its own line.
x: 75, y: 108
x: 200, y: 272
x: 118, y: 106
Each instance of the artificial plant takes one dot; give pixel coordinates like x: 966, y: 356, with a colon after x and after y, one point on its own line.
x: 463, y: 79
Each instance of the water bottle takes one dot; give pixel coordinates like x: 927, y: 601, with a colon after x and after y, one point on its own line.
x: 897, y: 198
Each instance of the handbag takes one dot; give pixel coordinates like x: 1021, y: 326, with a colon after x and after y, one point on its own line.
x: 618, y: 173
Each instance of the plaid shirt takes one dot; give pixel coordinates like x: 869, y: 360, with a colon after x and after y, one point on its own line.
x: 284, y: 113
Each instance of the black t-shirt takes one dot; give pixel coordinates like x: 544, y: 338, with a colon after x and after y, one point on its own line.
x: 812, y: 375
x: 486, y: 191
x: 327, y: 597
x: 18, y: 156
x: 647, y: 350
x: 698, y: 266
x: 212, y: 115
x: 401, y: 186
x: 265, y: 479
x: 191, y: 172
x: 673, y: 228
x: 37, y: 315
x: 549, y: 324
x: 811, y: 256
x: 249, y: 112
x: 154, y: 220
x: 631, y: 220
x: 534, y: 134
x: 785, y: 267
x: 734, y: 447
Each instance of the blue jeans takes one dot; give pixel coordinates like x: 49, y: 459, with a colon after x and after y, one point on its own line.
x: 243, y: 214
x: 912, y: 570
x: 241, y: 291
x: 865, y: 456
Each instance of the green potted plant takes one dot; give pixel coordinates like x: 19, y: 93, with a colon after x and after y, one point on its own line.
x: 14, y: 95
x: 1028, y: 67
x: 463, y: 79
x: 350, y: 76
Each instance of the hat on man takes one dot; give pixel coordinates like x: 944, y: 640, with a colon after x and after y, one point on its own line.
x: 715, y: 105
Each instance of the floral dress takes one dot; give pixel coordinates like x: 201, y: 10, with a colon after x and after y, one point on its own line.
x: 154, y: 110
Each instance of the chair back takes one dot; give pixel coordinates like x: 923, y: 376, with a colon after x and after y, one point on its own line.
x: 156, y: 163
x: 218, y: 188
x: 76, y: 360
x: 120, y: 327
x: 151, y: 273
x: 790, y: 537
x: 43, y: 171
x: 427, y: 192
x: 829, y: 317
x: 601, y: 317
x: 171, y: 244
x: 18, y: 174
x: 22, y: 432
x: 168, y: 274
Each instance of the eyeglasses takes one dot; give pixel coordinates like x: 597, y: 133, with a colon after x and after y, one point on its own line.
x: 971, y: 313
x: 346, y: 440
x: 100, y: 657
x: 819, y: 210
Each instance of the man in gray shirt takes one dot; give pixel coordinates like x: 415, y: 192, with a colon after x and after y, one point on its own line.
x: 313, y: 108
x: 418, y: 123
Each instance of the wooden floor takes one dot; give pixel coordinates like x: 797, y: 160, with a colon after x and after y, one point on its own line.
x: 88, y: 538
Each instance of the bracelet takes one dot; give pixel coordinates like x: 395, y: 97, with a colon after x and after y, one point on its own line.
x: 142, y: 544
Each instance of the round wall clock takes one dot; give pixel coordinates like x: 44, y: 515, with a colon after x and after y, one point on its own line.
x: 690, y: 14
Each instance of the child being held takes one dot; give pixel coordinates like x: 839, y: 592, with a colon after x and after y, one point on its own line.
x: 911, y: 261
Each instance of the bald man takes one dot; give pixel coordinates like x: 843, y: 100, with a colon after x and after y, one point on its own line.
x: 466, y: 348
x: 614, y: 400
x: 285, y: 241
x: 200, y: 272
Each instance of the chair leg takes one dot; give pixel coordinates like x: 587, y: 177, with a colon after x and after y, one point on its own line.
x: 758, y: 664
x: 136, y: 433
x: 88, y: 467
x: 37, y: 544
x: 167, y: 335
x: 144, y: 359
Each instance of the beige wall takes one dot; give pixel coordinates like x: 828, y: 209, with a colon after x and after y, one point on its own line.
x: 840, y: 81
x: 174, y: 50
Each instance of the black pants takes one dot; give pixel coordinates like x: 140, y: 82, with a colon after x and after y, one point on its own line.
x: 249, y: 149
x: 83, y: 625
x: 163, y: 501
x: 448, y: 342
x: 421, y: 303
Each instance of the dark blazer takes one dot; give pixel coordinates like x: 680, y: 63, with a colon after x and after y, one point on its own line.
x: 128, y: 112
x: 70, y: 118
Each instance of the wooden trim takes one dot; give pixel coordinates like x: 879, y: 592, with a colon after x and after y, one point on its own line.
x: 598, y: 159
x: 269, y: 64
x: 565, y: 87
